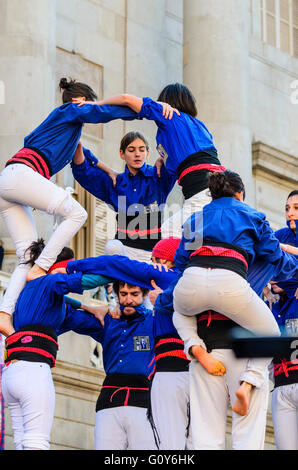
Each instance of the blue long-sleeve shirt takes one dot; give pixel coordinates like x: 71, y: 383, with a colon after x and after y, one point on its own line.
x: 42, y: 300
x: 140, y: 274
x: 178, y: 138
x: 58, y: 135
x: 131, y: 192
x: 127, y: 344
x: 138, y: 199
x: 287, y: 306
x: 231, y: 221
x: 123, y: 269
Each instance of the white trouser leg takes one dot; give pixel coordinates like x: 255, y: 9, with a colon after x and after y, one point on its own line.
x: 170, y: 402
x: 29, y: 393
x: 116, y: 247
x: 228, y: 293
x: 22, y: 239
x: 172, y: 227
x: 210, y: 396
x: 285, y: 416
x: 123, y: 427
x: 21, y: 188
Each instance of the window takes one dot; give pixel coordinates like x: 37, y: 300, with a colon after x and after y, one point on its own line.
x: 89, y: 241
x: 280, y: 24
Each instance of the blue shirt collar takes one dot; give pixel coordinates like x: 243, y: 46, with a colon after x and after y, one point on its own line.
x: 143, y: 169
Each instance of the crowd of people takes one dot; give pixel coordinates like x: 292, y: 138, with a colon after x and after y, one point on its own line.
x: 183, y: 285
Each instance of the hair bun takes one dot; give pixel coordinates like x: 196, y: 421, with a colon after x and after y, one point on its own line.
x: 64, y: 84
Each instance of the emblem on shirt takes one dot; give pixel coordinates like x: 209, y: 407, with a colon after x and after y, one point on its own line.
x: 141, y: 343
x: 162, y: 152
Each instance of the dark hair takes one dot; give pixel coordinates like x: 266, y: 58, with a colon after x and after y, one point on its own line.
x: 130, y: 137
x: 36, y: 248
x: 74, y: 89
x: 293, y: 193
x: 65, y: 254
x: 225, y: 184
x: 34, y: 251
x: 179, y: 97
x: 118, y: 284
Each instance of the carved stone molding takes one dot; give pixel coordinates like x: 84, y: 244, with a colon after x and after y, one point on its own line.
x: 274, y: 162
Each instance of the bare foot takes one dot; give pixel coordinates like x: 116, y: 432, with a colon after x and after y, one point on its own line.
x: 6, y: 327
x: 243, y: 395
x: 212, y: 365
x: 35, y: 272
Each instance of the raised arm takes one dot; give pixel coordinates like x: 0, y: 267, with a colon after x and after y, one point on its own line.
x: 130, y: 101
x: 90, y: 176
x: 124, y: 269
x: 79, y: 159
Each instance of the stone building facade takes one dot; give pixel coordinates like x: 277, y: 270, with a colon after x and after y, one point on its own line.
x: 240, y: 59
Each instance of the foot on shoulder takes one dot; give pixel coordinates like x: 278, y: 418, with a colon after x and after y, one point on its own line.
x: 35, y: 272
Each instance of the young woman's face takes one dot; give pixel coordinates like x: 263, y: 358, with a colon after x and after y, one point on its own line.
x: 135, y: 155
x: 292, y: 210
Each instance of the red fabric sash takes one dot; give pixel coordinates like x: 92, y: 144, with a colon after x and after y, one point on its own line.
x: 202, y: 166
x: 118, y: 389
x: 37, y: 162
x: 207, y: 250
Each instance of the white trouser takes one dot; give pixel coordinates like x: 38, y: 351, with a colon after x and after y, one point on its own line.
x: 29, y: 393
x: 285, y: 416
x: 210, y: 397
x: 123, y: 427
x: 225, y: 292
x: 21, y: 188
x: 116, y: 247
x: 170, y: 409
x: 172, y: 227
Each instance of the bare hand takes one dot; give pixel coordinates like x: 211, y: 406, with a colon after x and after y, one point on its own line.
x: 271, y: 298
x: 153, y: 294
x: 168, y: 111
x: 81, y: 101
x: 116, y: 313
x: 59, y: 270
x: 99, y: 312
x: 113, y: 175
x: 158, y: 164
x: 160, y: 267
x: 289, y: 249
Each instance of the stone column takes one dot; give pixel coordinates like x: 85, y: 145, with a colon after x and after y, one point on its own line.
x: 27, y: 68
x: 216, y: 69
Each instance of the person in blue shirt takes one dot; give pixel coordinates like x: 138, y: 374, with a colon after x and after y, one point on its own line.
x: 25, y: 182
x: 285, y: 368
x: 31, y: 351
x: 218, y: 246
x: 128, y: 356
x: 137, y: 197
x: 169, y: 383
x: 184, y: 143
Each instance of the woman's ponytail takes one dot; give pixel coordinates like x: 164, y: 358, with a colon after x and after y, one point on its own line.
x: 225, y: 184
